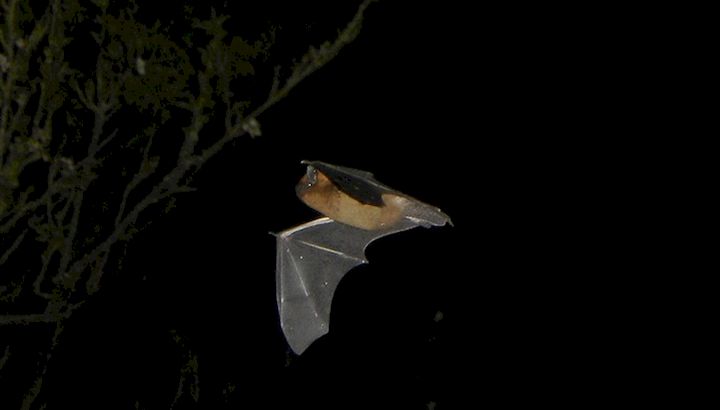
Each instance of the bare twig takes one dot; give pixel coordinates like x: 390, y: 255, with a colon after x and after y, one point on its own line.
x: 5, y: 357
x: 52, y: 314
x: 12, y: 247
x: 70, y: 239
x: 189, y: 379
x: 34, y: 391
x: 26, y: 319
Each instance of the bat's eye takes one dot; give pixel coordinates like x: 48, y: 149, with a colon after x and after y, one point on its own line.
x: 311, y: 174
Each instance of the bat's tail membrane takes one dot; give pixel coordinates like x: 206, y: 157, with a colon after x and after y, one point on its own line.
x: 426, y: 215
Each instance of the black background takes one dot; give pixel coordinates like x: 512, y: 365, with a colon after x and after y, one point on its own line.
x: 490, y: 114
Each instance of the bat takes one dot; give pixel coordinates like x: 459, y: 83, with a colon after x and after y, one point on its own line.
x: 313, y: 257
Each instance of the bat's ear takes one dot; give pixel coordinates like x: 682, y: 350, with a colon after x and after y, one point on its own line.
x: 311, y: 174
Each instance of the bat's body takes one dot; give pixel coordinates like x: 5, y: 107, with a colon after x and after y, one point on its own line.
x: 313, y: 257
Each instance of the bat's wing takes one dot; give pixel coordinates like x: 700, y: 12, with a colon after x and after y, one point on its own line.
x: 311, y: 260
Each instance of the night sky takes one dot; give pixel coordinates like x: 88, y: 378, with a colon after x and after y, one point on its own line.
x: 462, y: 110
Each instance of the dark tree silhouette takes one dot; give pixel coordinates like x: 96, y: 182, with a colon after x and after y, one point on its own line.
x: 106, y: 116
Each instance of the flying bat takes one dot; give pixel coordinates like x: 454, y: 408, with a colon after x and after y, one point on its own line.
x: 313, y: 257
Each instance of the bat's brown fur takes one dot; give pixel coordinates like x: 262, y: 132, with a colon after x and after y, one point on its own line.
x: 324, y: 197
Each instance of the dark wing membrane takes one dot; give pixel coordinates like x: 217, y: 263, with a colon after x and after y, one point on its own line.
x: 311, y: 260
x: 358, y: 184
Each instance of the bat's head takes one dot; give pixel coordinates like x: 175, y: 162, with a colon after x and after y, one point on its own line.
x: 313, y: 183
x: 316, y: 190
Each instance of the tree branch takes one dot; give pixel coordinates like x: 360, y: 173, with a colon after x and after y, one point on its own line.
x: 71, y: 250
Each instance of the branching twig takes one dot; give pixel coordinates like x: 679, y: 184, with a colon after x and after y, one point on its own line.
x: 145, y: 170
x: 316, y: 59
x: 313, y: 60
x: 158, y: 194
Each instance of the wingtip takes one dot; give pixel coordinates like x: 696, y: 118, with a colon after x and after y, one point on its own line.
x: 300, y: 341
